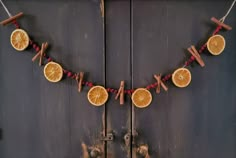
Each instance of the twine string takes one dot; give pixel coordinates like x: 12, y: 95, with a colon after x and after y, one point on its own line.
x: 225, y: 16
x: 5, y: 8
x: 221, y: 20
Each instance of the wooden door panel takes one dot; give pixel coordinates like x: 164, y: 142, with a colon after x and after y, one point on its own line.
x: 38, y: 118
x: 150, y: 56
x: 196, y: 121
x: 117, y: 69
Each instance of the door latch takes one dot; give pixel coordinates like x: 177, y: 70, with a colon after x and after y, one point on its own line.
x: 108, y: 137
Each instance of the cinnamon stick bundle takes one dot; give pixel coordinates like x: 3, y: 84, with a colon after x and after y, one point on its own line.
x: 79, y: 79
x: 192, y: 50
x: 227, y: 27
x: 41, y: 53
x: 160, y: 84
x: 121, y: 92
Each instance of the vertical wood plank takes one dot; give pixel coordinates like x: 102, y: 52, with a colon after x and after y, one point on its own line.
x: 150, y: 57
x: 118, y: 69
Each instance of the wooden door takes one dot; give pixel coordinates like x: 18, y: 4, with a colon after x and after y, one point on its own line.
x: 197, y: 121
x: 134, y: 40
x: 38, y: 118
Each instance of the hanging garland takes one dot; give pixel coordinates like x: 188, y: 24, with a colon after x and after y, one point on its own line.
x: 98, y: 95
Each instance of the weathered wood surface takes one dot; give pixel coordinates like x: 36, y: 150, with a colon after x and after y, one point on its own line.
x: 198, y: 121
x: 38, y: 118
x: 117, y: 69
x: 143, y: 37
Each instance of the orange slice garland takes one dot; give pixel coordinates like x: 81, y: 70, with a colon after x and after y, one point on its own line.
x: 98, y: 95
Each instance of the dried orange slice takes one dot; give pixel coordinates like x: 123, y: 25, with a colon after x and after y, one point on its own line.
x: 97, y: 95
x: 216, y: 44
x: 19, y: 39
x: 141, y: 98
x: 181, y: 77
x: 53, y: 72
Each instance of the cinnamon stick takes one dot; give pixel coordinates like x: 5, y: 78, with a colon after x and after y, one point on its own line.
x: 40, y: 53
x: 121, y: 92
x: 160, y: 84
x: 79, y: 79
x: 192, y: 50
x: 36, y: 56
x: 227, y: 27
x: 9, y: 20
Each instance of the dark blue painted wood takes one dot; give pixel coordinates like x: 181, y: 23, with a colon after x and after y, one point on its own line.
x: 39, y: 119
x: 198, y: 121
x: 117, y: 69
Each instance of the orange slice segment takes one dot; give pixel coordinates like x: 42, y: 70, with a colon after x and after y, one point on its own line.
x: 181, y: 77
x: 53, y: 72
x: 19, y: 39
x: 97, y: 95
x: 216, y: 44
x: 141, y: 98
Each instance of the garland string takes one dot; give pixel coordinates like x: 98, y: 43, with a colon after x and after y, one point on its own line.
x: 225, y: 16
x: 5, y: 8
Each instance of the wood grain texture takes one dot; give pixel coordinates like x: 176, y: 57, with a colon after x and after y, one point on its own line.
x: 143, y: 37
x: 41, y: 119
x: 198, y: 121
x: 118, y: 69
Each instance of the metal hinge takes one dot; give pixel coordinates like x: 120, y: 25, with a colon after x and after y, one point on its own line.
x: 108, y: 137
